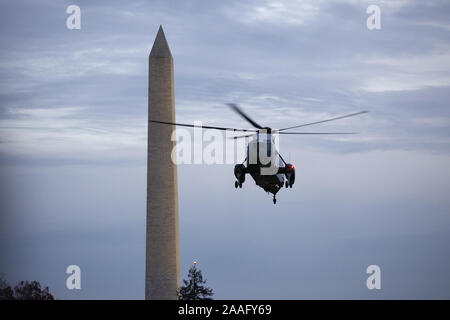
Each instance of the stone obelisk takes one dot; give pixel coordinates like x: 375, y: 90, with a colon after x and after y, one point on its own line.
x: 162, y: 265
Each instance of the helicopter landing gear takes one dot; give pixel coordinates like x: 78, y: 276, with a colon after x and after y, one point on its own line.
x: 237, y: 184
x: 287, y: 184
x: 274, y: 200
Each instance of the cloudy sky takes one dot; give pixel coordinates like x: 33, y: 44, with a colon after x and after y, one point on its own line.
x: 73, y: 123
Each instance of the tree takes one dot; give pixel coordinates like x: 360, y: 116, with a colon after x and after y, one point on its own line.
x: 193, y: 288
x: 6, y: 293
x: 24, y: 290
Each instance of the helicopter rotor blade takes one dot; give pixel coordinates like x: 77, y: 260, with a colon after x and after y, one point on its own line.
x: 317, y: 132
x: 332, y: 119
x: 244, y: 115
x: 204, y: 127
x: 244, y: 136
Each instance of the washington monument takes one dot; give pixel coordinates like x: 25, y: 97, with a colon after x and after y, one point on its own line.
x: 162, y: 265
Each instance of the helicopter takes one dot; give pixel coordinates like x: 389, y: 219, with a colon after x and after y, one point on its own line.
x: 263, y: 162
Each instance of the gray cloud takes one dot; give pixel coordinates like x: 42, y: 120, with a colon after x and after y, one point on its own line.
x: 73, y: 110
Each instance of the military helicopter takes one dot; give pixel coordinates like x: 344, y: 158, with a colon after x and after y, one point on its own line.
x: 263, y: 162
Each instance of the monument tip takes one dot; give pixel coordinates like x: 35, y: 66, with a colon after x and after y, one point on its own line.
x: 160, y: 46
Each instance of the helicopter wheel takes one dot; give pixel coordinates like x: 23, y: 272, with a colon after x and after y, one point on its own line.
x: 290, y: 185
x: 236, y: 184
x: 240, y: 184
x: 274, y: 200
x: 287, y: 184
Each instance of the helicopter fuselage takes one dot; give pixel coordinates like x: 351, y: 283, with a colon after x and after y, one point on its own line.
x: 260, y: 164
